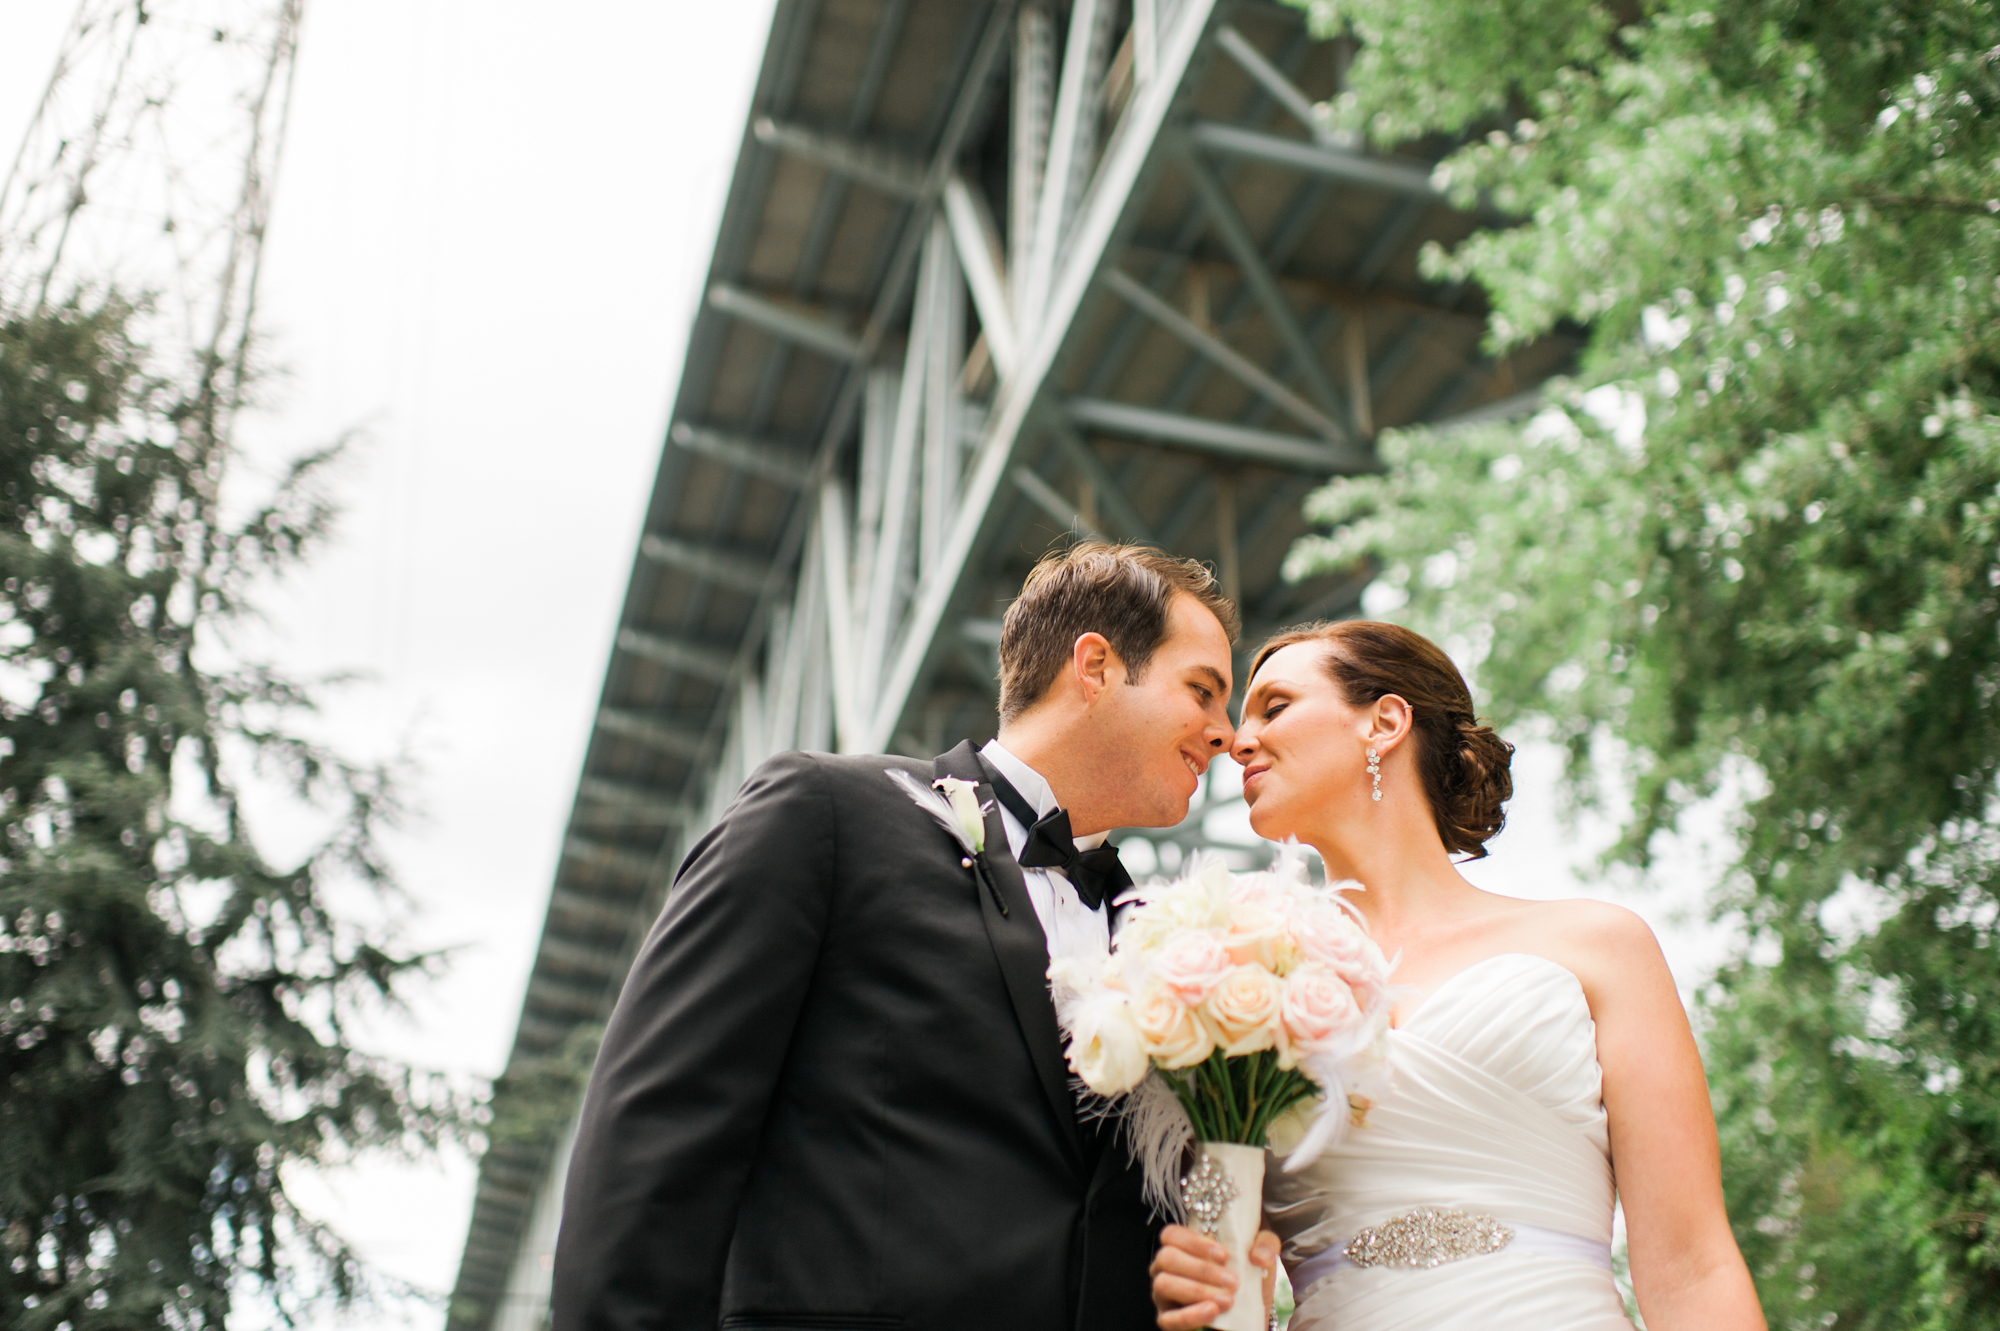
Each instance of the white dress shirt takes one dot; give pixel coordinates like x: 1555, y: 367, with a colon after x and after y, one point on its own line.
x: 1071, y: 928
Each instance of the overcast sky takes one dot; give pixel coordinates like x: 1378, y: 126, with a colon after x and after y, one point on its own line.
x: 491, y: 228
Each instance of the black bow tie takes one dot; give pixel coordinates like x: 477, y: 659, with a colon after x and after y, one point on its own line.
x: 1097, y: 875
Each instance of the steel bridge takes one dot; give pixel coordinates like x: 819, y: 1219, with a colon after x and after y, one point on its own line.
x: 990, y: 275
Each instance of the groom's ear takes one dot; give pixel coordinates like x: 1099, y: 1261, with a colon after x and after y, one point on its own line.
x: 1091, y: 661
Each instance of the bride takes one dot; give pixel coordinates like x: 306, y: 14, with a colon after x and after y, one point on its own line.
x: 1537, y: 1043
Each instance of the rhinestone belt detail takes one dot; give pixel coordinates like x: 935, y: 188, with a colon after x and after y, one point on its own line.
x: 1428, y: 1236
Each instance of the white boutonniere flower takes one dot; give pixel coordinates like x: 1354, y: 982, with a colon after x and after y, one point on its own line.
x: 954, y: 802
x: 963, y: 796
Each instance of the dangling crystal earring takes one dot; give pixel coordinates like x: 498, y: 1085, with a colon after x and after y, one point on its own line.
x: 1375, y: 771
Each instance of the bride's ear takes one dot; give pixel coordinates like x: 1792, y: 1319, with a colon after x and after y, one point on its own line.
x: 1389, y: 721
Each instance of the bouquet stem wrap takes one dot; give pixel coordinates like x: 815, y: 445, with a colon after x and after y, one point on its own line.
x: 1236, y: 1173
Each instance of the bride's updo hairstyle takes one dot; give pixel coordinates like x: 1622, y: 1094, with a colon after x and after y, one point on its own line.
x: 1464, y: 765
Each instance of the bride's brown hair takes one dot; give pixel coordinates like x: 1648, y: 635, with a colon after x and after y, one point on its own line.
x: 1464, y: 765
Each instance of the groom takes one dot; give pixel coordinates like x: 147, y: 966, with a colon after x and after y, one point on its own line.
x: 832, y: 1094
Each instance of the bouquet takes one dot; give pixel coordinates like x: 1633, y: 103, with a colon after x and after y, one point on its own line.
x: 1233, y: 1009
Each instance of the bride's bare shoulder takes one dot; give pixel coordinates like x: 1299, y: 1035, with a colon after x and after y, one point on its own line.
x: 1615, y: 955
x: 1585, y: 919
x: 1596, y: 939
x: 1599, y: 922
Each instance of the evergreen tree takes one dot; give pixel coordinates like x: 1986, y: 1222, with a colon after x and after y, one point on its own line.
x: 174, y: 1007
x: 1755, y: 541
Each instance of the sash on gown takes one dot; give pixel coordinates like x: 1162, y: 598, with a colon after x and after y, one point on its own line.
x: 1496, y: 1109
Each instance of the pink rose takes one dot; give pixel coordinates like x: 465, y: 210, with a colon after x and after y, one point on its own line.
x: 1258, y: 890
x: 1327, y: 934
x: 1191, y: 963
x: 1318, y: 1009
x: 1371, y: 990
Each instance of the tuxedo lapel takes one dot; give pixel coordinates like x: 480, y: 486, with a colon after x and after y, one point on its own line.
x: 1021, y: 949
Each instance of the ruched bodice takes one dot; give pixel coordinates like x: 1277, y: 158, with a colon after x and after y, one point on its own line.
x: 1496, y: 1109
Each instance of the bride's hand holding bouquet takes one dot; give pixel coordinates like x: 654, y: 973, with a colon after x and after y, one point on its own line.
x: 1193, y: 1284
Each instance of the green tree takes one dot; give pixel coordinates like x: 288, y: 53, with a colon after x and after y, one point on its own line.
x: 1753, y: 542
x: 174, y: 1006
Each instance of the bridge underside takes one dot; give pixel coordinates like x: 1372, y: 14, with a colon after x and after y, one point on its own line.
x: 989, y: 276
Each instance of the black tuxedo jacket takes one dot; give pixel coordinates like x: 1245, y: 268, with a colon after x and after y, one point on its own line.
x: 833, y: 1095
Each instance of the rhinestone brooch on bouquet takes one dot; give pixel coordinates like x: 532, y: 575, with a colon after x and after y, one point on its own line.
x: 1428, y: 1236
x: 1207, y: 1193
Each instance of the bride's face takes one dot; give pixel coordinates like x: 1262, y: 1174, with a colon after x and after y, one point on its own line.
x: 1301, y: 746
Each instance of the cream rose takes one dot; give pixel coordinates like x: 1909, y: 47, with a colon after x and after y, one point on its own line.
x: 1147, y: 925
x: 1255, y: 934
x: 1189, y: 906
x: 1105, y: 1047
x: 1318, y: 1010
x: 1195, y: 902
x: 1174, y: 1036
x: 1191, y: 962
x: 1243, y: 1012
x: 1254, y: 895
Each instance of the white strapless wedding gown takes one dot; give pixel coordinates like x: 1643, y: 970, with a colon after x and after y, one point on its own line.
x: 1496, y: 1111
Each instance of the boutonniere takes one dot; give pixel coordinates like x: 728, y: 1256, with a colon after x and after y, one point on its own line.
x: 963, y: 796
x: 957, y: 807
x: 954, y: 802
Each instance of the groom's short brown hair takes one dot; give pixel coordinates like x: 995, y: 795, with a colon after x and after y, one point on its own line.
x: 1124, y: 592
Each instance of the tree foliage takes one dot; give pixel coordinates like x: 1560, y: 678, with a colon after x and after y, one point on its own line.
x: 1756, y: 541
x: 174, y: 1006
